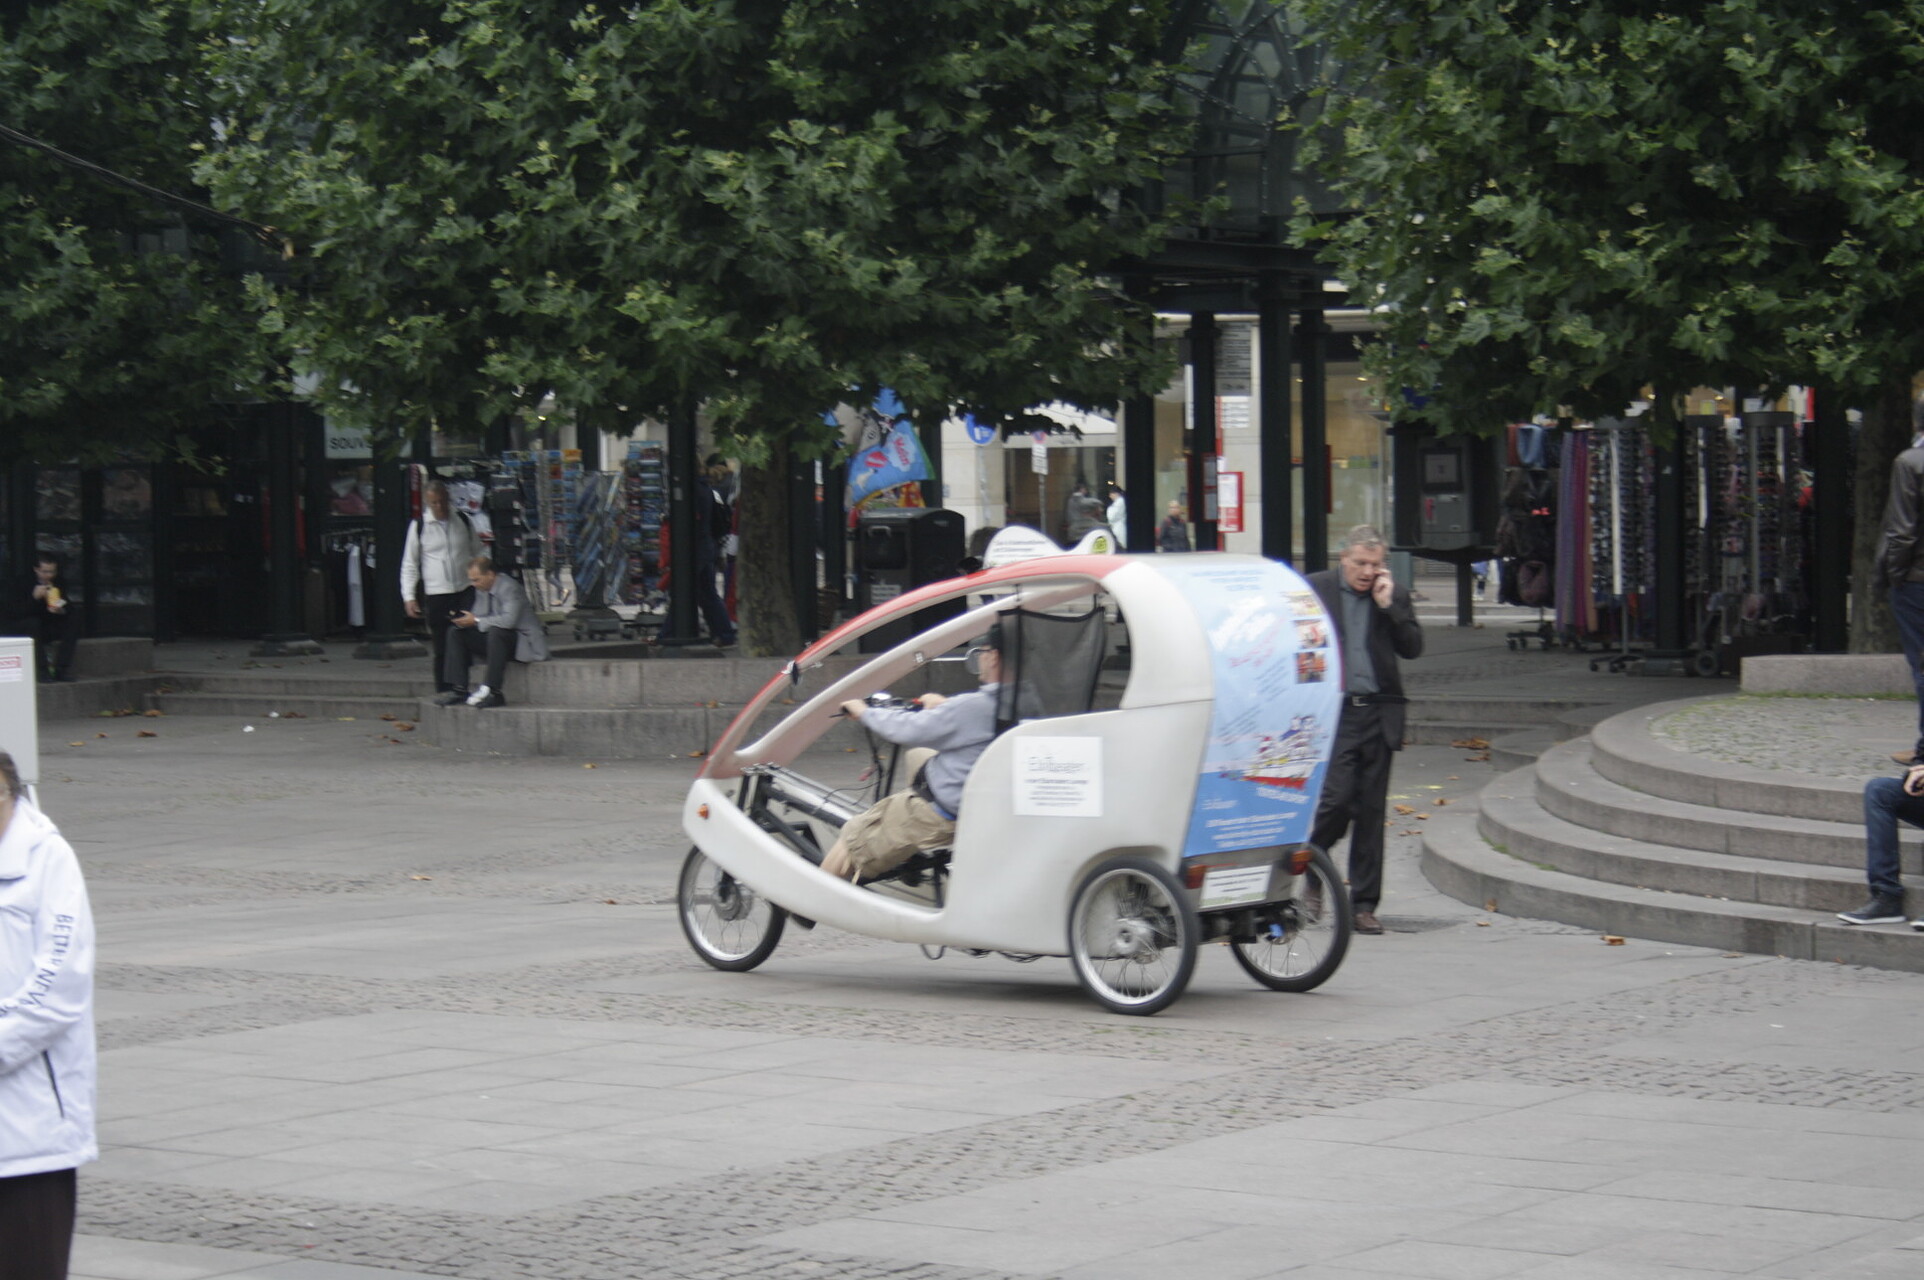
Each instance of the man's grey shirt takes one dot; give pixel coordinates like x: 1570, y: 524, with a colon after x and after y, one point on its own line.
x: 1359, y: 673
x: 959, y: 729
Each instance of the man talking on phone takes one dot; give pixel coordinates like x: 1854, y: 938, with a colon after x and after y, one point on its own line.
x: 1375, y: 625
x: 1885, y: 801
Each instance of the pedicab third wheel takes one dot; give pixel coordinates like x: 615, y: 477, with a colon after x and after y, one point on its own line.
x: 1299, y: 951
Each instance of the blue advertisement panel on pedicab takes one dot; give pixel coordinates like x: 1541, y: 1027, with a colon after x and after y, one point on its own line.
x: 1279, y: 681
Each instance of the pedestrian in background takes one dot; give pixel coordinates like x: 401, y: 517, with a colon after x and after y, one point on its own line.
x: 1084, y: 514
x: 1173, y: 533
x: 1375, y: 624
x: 434, y: 570
x: 1118, y: 516
x: 47, y: 1063
x: 1900, y: 566
x: 714, y: 531
x: 37, y: 607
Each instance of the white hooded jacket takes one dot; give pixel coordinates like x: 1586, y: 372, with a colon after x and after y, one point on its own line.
x: 47, y: 1067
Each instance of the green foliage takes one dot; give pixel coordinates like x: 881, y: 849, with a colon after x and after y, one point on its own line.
x: 760, y: 204
x: 1560, y: 204
x: 102, y: 347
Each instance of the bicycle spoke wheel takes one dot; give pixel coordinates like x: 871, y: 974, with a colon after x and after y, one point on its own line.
x: 727, y: 923
x: 1132, y: 936
x: 1302, y: 950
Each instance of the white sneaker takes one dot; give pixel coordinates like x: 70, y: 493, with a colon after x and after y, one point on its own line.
x: 479, y: 696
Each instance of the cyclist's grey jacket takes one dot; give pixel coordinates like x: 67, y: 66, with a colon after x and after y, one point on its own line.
x: 959, y: 729
x: 46, y: 1001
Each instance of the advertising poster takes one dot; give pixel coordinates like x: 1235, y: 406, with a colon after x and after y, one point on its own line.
x: 1279, y: 684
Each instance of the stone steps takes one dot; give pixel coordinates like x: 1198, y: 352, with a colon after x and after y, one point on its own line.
x: 1568, y: 787
x: 1462, y: 864
x: 1706, y: 853
x: 253, y: 706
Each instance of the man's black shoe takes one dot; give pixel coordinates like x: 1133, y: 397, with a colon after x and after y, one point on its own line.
x: 451, y: 697
x: 492, y: 700
x: 1879, y: 910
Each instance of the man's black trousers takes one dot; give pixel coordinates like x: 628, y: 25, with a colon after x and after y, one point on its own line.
x: 55, y: 636
x: 471, y: 644
x: 1355, y: 795
x: 435, y: 609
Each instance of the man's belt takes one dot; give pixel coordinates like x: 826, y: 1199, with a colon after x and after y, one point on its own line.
x: 919, y: 784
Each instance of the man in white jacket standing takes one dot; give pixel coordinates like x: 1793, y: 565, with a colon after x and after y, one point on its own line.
x: 434, y: 569
x: 46, y: 1036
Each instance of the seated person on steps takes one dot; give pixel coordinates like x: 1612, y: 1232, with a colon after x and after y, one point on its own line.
x: 501, y: 624
x: 923, y: 815
x: 1886, y: 800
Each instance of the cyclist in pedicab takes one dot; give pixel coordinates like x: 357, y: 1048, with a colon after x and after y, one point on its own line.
x: 947, y: 735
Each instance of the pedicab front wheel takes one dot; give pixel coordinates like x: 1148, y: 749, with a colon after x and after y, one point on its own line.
x: 1304, y: 947
x: 727, y: 923
x: 1132, y: 936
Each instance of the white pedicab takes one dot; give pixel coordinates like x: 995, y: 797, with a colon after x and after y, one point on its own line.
x: 1129, y: 810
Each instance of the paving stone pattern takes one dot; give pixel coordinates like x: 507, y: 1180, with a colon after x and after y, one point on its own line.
x: 1830, y: 737
x: 488, y: 1046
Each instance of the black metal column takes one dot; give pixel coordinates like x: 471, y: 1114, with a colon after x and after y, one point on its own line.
x: 285, y: 638
x: 1667, y: 655
x: 682, y: 626
x: 386, y: 636
x: 1139, y: 451
x: 1200, y: 439
x: 1313, y: 337
x: 1275, y: 425
x: 1831, y: 520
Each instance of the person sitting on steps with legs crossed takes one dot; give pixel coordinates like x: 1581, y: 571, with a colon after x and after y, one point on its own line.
x: 1885, y: 801
x: 923, y: 815
x: 499, y: 625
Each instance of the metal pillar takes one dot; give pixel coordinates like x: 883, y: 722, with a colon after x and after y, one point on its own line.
x: 1139, y: 451
x: 1831, y: 518
x: 285, y: 639
x: 1670, y: 650
x: 1313, y: 337
x: 682, y: 627
x: 1277, y: 430
x: 1200, y: 437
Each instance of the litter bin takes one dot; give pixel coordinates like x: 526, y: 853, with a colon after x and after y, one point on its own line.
x: 898, y: 551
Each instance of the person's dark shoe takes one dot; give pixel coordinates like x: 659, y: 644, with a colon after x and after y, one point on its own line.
x: 451, y: 697
x: 1366, y: 922
x: 492, y: 700
x: 1879, y: 910
x: 1904, y: 757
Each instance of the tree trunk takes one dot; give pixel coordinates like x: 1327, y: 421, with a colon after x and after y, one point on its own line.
x: 1885, y: 434
x: 764, y: 583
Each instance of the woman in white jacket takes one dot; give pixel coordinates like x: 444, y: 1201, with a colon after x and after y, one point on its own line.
x: 46, y: 1036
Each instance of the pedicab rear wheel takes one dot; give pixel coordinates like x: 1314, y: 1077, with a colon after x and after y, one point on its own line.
x: 1132, y: 936
x: 729, y: 925
x: 1311, y: 938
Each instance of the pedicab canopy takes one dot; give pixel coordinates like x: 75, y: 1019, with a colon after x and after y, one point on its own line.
x: 1279, y: 691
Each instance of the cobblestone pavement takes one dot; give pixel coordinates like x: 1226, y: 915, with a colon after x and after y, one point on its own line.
x: 1831, y: 737
x: 369, y: 1011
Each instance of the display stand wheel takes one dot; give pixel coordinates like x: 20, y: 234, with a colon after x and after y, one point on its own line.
x: 1309, y: 944
x: 727, y: 923
x: 1705, y: 663
x: 1132, y: 936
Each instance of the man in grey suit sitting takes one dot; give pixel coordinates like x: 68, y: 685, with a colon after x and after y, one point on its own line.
x: 500, y: 625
